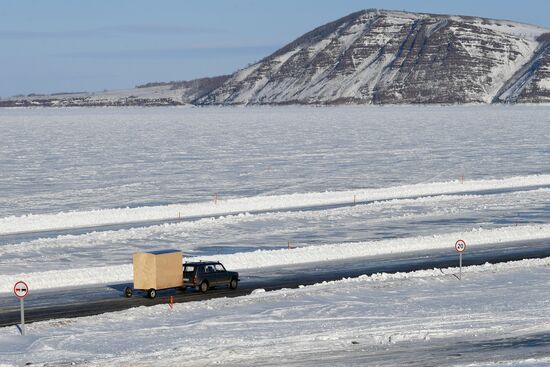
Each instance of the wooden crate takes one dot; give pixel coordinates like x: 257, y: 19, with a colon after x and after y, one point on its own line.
x: 158, y: 269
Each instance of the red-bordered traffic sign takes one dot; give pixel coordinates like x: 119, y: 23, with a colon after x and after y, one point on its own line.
x: 460, y: 246
x: 21, y: 289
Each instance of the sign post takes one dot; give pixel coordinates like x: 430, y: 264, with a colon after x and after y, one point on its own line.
x: 460, y: 246
x: 21, y: 290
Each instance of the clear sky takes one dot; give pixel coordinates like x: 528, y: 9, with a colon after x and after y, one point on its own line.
x: 68, y: 45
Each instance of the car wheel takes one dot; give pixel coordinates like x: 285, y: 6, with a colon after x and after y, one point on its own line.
x: 128, y: 292
x: 233, y: 283
x: 152, y: 293
x: 203, y: 287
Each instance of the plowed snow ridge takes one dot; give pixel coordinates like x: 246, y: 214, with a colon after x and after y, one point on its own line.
x: 95, y: 218
x: 263, y: 258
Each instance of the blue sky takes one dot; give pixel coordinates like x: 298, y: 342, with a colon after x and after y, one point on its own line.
x: 66, y: 45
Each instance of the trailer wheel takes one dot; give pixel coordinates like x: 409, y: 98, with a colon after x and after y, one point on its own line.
x: 203, y: 287
x: 128, y: 292
x: 233, y: 283
x: 152, y: 293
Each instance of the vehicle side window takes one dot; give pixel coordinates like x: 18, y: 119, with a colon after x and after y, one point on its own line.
x: 219, y: 267
x: 200, y: 270
x: 209, y: 268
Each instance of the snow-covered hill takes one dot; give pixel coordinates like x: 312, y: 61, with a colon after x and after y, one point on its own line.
x: 388, y: 57
x: 368, y: 57
x: 151, y: 94
x: 531, y: 83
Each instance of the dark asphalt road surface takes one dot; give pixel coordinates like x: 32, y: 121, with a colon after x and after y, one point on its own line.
x: 77, y: 302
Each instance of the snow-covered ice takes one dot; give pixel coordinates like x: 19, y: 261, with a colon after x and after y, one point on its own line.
x: 422, y: 318
x: 61, y: 160
x: 82, y: 189
x: 65, y: 170
x: 46, y: 222
x: 258, y: 259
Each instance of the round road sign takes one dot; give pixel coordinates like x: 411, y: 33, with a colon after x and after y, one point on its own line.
x: 460, y: 246
x: 20, y: 289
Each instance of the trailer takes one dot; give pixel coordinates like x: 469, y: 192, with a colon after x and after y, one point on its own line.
x: 156, y: 270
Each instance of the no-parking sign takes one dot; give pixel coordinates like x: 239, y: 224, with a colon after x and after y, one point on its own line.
x: 21, y: 289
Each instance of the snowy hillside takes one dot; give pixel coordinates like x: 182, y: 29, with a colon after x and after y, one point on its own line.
x: 367, y: 57
x: 532, y: 82
x: 388, y: 57
x: 154, y: 96
x: 151, y: 94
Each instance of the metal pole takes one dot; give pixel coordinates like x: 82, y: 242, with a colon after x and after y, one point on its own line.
x: 22, y: 316
x: 460, y: 277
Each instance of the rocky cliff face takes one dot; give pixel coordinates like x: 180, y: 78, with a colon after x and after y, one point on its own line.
x: 368, y: 57
x: 531, y: 83
x: 387, y: 57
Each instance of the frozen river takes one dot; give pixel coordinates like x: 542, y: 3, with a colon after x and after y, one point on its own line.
x: 82, y: 189
x: 54, y: 160
x: 90, y: 160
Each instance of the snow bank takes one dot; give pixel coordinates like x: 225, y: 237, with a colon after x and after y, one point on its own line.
x: 438, y: 272
x: 307, y: 254
x: 83, y: 219
x: 390, y: 319
x: 342, y: 251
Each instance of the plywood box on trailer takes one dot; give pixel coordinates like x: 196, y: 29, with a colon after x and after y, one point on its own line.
x: 158, y: 269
